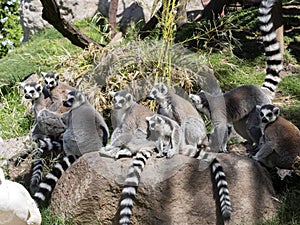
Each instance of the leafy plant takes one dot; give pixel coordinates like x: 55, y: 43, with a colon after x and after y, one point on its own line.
x: 11, y: 30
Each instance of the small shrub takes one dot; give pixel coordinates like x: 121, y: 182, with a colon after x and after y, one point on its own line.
x: 11, y: 30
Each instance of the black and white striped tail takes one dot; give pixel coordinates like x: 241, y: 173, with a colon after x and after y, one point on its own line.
x: 131, y: 185
x: 222, y: 188
x: 46, y: 187
x: 45, y: 144
x: 37, y: 169
x: 272, y: 47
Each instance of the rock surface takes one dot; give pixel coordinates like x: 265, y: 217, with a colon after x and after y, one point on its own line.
x: 128, y: 10
x: 9, y: 151
x: 172, y: 191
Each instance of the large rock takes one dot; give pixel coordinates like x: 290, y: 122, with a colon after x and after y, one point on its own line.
x: 172, y: 191
x: 128, y: 10
x: 31, y: 13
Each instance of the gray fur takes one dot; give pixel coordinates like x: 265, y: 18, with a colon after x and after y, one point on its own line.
x: 236, y: 107
x: 56, y: 91
x: 183, y: 112
x: 280, y: 144
x: 86, y: 129
x: 130, y: 127
x: 169, y: 134
x: 34, y: 92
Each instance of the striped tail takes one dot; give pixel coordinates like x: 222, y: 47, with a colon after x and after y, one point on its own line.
x: 45, y: 188
x: 131, y: 185
x: 37, y: 170
x: 222, y: 187
x: 45, y: 144
x: 272, y: 47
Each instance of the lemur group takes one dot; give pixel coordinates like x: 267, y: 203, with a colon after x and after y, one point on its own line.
x: 66, y: 120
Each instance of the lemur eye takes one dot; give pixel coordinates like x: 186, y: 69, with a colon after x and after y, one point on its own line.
x: 122, y: 101
x: 261, y: 114
x: 52, y: 82
x: 269, y: 115
x: 31, y: 91
x: 154, y: 92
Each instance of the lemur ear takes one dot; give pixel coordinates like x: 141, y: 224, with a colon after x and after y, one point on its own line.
x: 276, y: 111
x: 112, y: 93
x: 128, y: 97
x: 43, y: 74
x: 258, y: 107
x: 68, y: 91
x: 56, y: 76
x: 159, y: 120
x: 22, y: 85
x: 38, y: 87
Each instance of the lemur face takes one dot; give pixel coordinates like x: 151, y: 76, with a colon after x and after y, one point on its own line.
x: 155, y: 122
x: 158, y: 92
x: 74, y: 99
x: 32, y: 90
x: 268, y: 113
x: 50, y: 79
x: 121, y: 99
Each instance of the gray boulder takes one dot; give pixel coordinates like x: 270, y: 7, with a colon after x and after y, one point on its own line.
x: 172, y: 191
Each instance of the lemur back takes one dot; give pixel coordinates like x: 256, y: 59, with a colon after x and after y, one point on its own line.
x: 86, y: 131
x: 280, y: 144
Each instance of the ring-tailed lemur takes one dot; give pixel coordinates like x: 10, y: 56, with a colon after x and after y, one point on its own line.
x: 169, y: 134
x: 130, y: 127
x: 183, y: 112
x: 48, y: 125
x: 56, y: 91
x: 240, y: 103
x: 35, y: 92
x: 169, y: 137
x: 86, y: 132
x: 280, y: 143
x: 240, y: 106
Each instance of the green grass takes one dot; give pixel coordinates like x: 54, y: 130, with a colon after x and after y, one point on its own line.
x: 50, y: 219
x: 13, y: 121
x: 42, y: 53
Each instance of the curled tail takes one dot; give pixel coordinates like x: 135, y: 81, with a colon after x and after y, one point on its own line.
x: 131, y: 185
x: 46, y: 187
x: 222, y: 187
x: 272, y: 47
